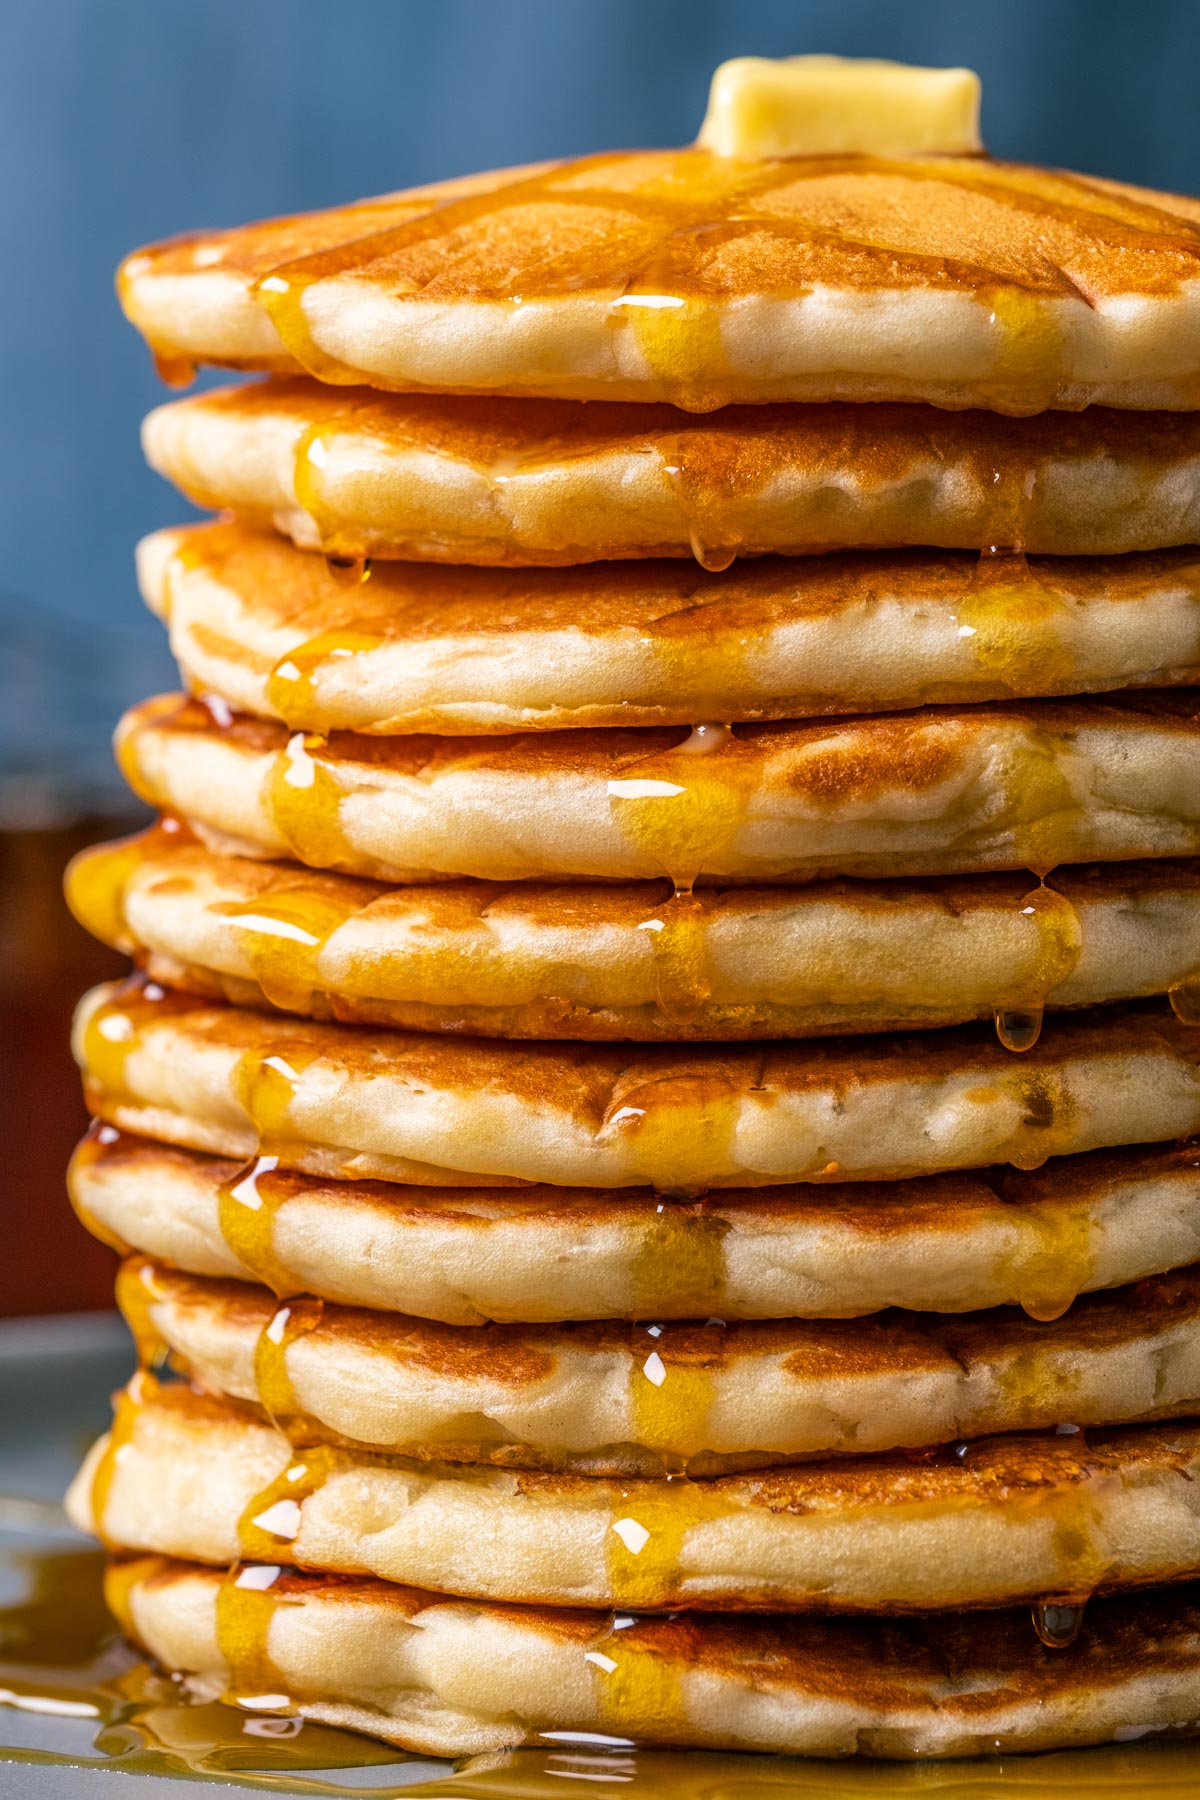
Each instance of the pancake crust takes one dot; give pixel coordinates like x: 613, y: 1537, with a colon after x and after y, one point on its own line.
x: 946, y: 1243
x: 423, y: 648
x: 347, y: 1101
x: 630, y: 961
x: 685, y: 276
x: 552, y: 482
x: 940, y: 791
x: 1014, y: 1520
x: 696, y: 1399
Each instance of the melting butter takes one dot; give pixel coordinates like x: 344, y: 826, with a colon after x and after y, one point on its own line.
x: 762, y: 107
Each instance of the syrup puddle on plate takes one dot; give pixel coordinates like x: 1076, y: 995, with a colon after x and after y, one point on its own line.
x: 74, y: 1695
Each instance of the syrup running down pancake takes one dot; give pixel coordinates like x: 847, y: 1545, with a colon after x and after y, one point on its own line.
x: 696, y: 1399
x: 940, y: 1243
x: 359, y: 474
x: 941, y: 791
x: 342, y: 1101
x: 635, y: 960
x: 701, y: 279
x: 1004, y: 1521
x: 425, y: 648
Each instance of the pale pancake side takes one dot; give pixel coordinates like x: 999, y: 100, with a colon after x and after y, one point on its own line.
x: 702, y: 279
x: 454, y: 1678
x: 696, y: 1399
x: 1014, y: 1520
x: 527, y: 482
x: 421, y: 647
x: 944, y: 1243
x: 348, y: 1101
x: 631, y: 961
x: 939, y: 791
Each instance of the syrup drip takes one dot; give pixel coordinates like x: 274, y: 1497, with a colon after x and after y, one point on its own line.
x: 1047, y: 1121
x: 1059, y: 1621
x: 714, y: 544
x: 246, y: 1607
x: 127, y: 1406
x: 138, y: 1293
x: 644, y: 1544
x: 1059, y: 944
x: 266, y: 1084
x: 113, y: 1034
x: 272, y: 1377
x: 1054, y: 1268
x: 1185, y: 1000
x: 97, y: 880
x: 294, y: 684
x: 350, y: 571
x: 174, y: 370
x: 678, y: 815
x: 90, y: 1150
x: 670, y: 1399
x: 639, y: 1695
x: 271, y: 1522
x: 688, y: 1240
x: 305, y: 799
x: 282, y: 935
x: 246, y: 1209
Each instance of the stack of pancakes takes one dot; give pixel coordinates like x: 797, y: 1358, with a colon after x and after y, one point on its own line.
x: 651, y: 1117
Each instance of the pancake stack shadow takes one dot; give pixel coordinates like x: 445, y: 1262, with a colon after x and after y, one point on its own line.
x: 654, y: 1112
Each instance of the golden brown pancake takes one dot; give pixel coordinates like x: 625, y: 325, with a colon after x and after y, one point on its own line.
x: 1011, y: 1521
x: 343, y: 1101
x: 550, y: 482
x: 679, y: 275
x: 940, y: 791
x: 698, y: 1399
x: 943, y: 1243
x: 447, y: 1677
x: 630, y: 961
x: 422, y: 648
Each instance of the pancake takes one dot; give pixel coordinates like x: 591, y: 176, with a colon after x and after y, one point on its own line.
x: 347, y: 1101
x: 446, y: 1677
x: 1015, y: 1520
x: 944, y: 1243
x: 421, y: 648
x: 550, y: 482
x: 941, y: 791
x: 680, y: 275
x: 696, y: 1399
x: 629, y: 961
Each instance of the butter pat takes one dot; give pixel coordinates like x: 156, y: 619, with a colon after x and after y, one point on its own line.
x: 759, y: 108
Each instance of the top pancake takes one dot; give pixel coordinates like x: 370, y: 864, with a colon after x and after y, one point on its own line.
x: 703, y: 280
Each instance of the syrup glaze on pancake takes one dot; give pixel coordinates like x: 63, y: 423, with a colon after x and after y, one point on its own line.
x: 633, y: 961
x: 1003, y: 1521
x: 428, y: 648
x: 703, y: 280
x: 939, y: 791
x: 343, y: 1101
x: 692, y: 1399
x: 446, y: 1677
x: 358, y: 474
x: 463, y: 1256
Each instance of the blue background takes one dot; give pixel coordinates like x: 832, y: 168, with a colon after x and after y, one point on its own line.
x: 125, y: 120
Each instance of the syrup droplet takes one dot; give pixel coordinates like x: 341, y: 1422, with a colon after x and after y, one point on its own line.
x: 246, y: 1605
x: 174, y: 370
x: 350, y: 571
x: 1059, y: 941
x: 1185, y: 1000
x: 1018, y: 1028
x: 272, y: 1375
x: 1058, y: 1622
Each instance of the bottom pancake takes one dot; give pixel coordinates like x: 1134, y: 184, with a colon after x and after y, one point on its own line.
x: 998, y: 1522
x: 451, y: 1678
x: 701, y: 1399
